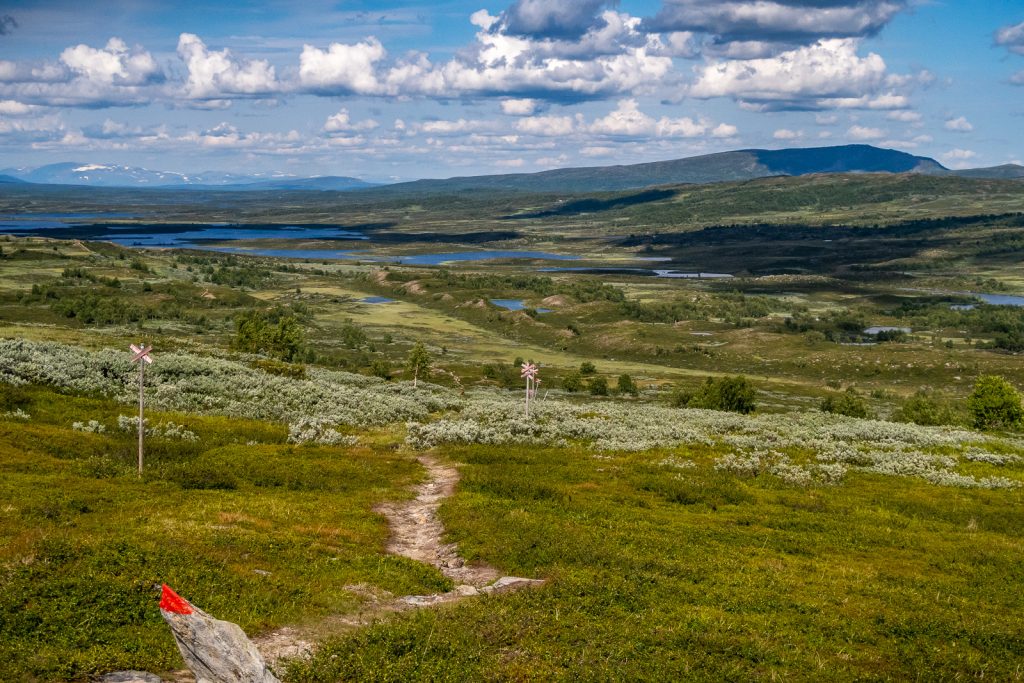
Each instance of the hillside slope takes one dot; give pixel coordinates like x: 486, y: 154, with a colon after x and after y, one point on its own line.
x: 745, y: 164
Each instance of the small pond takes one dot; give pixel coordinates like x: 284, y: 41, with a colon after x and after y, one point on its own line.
x: 886, y: 328
x: 516, y: 305
x: 652, y: 272
x: 999, y: 299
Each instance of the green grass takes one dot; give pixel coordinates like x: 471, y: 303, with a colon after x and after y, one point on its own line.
x: 84, y: 544
x: 657, y: 573
x: 654, y: 573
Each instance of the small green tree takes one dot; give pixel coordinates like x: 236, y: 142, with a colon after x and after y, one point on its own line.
x: 587, y: 368
x: 994, y: 404
x: 848, y: 403
x: 280, y: 336
x: 380, y: 367
x: 627, y: 385
x: 924, y: 408
x: 598, y: 386
x: 572, y: 382
x: 287, y: 339
x: 734, y: 394
x: 680, y: 397
x: 352, y: 336
x: 418, y: 362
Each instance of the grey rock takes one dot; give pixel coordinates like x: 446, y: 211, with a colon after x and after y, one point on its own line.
x: 215, y: 651
x: 507, y: 584
x: 130, y: 677
x: 426, y: 600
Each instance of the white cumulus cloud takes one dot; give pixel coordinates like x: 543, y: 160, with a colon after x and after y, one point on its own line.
x: 342, y: 122
x: 114, y: 64
x: 519, y: 107
x: 777, y: 20
x: 960, y: 124
x: 802, y: 78
x: 627, y: 120
x: 904, y: 116
x: 216, y: 74
x: 1011, y: 37
x: 15, y: 108
x: 342, y: 68
x: 546, y: 125
x: 864, y: 133
x: 958, y: 158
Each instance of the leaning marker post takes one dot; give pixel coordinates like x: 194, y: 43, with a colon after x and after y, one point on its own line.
x: 529, y: 372
x: 141, y: 356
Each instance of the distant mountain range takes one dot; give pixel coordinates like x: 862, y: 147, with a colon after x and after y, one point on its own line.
x: 746, y: 164
x: 110, y: 175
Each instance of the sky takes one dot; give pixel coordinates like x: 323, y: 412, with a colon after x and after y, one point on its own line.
x: 398, y: 90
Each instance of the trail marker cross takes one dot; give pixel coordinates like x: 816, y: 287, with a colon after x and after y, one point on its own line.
x: 528, y: 371
x: 140, y: 355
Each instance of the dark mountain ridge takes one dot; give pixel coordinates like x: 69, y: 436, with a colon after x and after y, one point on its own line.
x: 746, y: 164
x: 739, y: 165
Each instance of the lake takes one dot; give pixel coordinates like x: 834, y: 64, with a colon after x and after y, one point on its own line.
x: 991, y: 299
x: 204, y: 235
x: 651, y: 272
x: 435, y: 259
x: 515, y: 305
x: 886, y: 328
x: 999, y: 299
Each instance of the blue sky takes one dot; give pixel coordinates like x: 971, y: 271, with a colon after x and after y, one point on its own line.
x: 400, y: 90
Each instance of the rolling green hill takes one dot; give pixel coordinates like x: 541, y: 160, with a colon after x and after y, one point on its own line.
x: 710, y: 168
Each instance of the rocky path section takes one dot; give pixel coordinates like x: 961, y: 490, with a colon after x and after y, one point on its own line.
x: 416, y: 533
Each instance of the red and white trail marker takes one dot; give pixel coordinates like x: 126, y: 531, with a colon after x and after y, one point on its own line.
x: 528, y: 371
x: 140, y: 355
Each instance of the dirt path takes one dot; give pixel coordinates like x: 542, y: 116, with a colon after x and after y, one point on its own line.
x: 416, y: 533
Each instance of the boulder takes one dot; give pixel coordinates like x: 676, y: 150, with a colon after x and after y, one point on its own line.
x: 507, y: 584
x: 215, y: 651
x: 130, y: 677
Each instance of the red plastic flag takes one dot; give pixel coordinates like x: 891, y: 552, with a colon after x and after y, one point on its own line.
x: 172, y: 602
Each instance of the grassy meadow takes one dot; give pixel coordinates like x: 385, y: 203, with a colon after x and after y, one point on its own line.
x: 253, y: 529
x: 824, y: 537
x: 662, y: 572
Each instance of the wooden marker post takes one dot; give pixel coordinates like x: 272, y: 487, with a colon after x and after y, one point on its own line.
x: 141, y: 356
x: 528, y: 372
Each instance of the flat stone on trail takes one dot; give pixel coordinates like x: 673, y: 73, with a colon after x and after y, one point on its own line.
x: 507, y: 584
x: 428, y: 600
x: 130, y: 677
